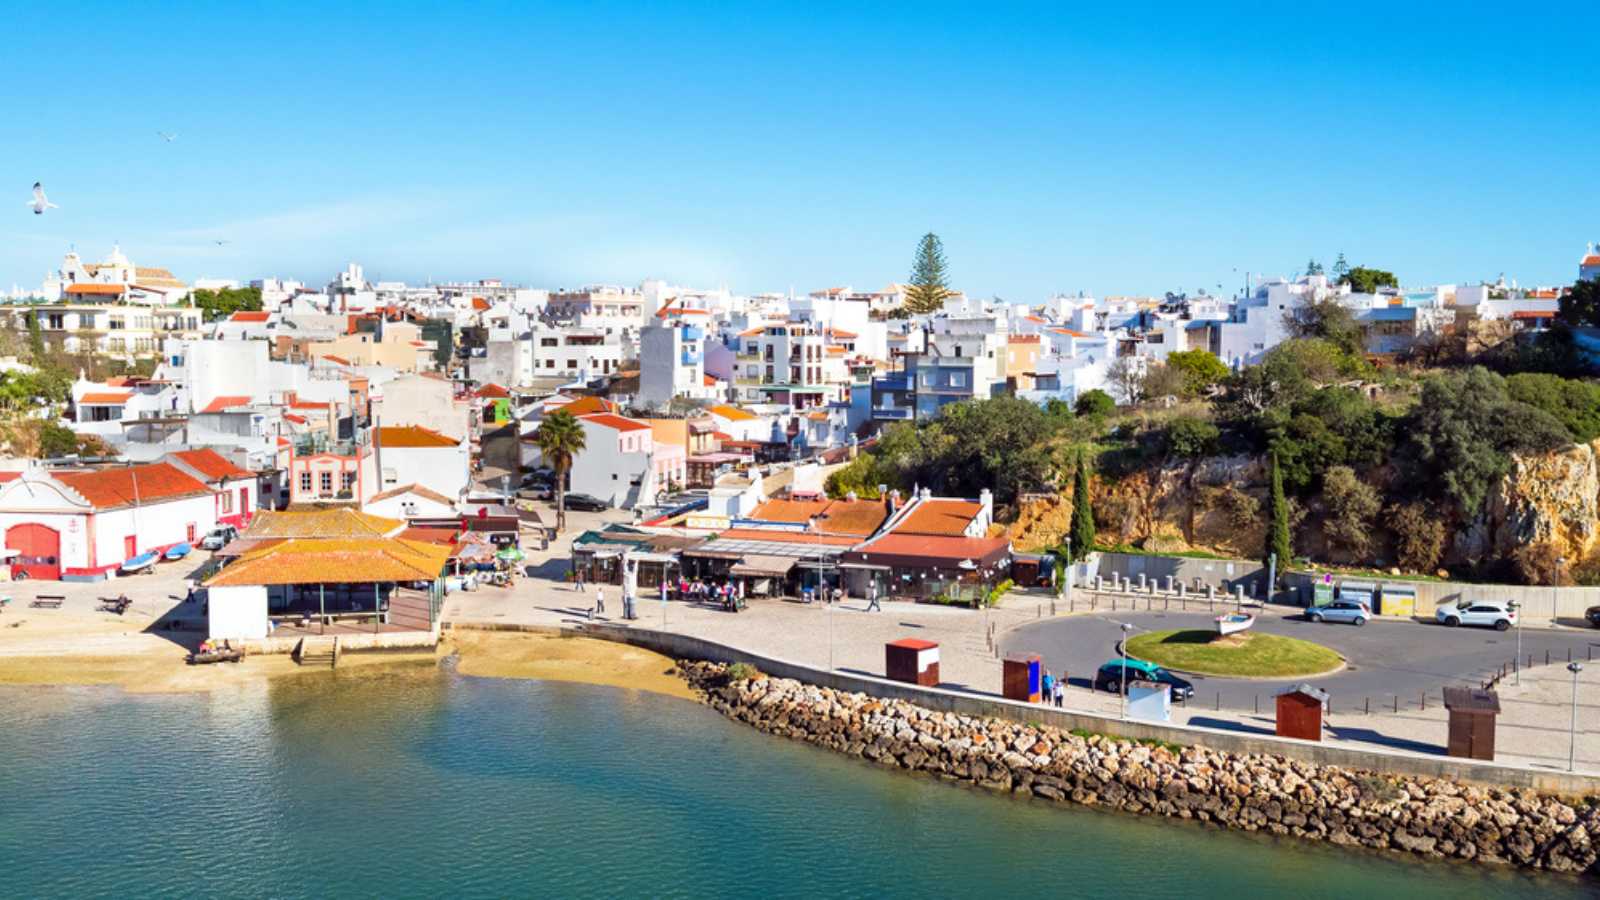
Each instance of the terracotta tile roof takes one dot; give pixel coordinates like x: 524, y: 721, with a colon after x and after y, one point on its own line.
x: 213, y: 465
x: 309, y: 404
x: 615, y: 422
x: 413, y: 436
x: 860, y: 517
x: 794, y: 511
x: 123, y: 486
x: 430, y: 535
x: 336, y: 561
x: 116, y: 398
x: 585, y: 405
x: 732, y: 413
x: 931, y: 547
x: 298, y: 420
x: 939, y: 516
x: 249, y: 315
x: 153, y: 272
x: 789, y: 537
x: 752, y: 332
x: 479, y: 304
x: 419, y: 490
x: 1592, y: 259
x: 1022, y: 339
x: 222, y: 404
x: 841, y: 333
x: 105, y: 290
x: 1069, y: 331
x: 493, y: 391
x: 9, y: 476
x: 339, y: 360
x: 338, y: 522
x: 711, y: 381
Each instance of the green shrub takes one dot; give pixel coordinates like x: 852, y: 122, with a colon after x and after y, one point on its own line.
x: 741, y: 672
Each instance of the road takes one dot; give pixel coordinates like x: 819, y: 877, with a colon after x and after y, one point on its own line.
x: 1386, y: 659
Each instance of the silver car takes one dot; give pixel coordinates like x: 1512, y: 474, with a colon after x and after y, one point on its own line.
x: 1340, y: 611
x: 1496, y: 614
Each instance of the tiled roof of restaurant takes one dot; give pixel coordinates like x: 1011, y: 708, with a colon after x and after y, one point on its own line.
x: 211, y: 464
x: 945, y: 547
x: 413, y: 436
x: 339, y: 522
x: 127, y: 485
x: 336, y: 561
x: 249, y: 315
x: 939, y: 517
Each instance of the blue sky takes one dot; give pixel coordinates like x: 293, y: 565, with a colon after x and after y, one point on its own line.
x: 769, y: 146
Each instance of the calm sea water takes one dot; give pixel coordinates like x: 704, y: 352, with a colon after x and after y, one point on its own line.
x: 426, y: 783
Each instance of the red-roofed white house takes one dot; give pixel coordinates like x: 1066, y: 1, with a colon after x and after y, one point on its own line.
x: 238, y: 490
x: 83, y: 525
x: 622, y: 464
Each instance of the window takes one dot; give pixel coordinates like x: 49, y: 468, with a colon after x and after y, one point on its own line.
x: 227, y: 502
x: 114, y: 324
x: 958, y: 379
x: 572, y: 364
x: 769, y: 353
x: 549, y: 342
x: 347, y: 481
x: 56, y: 322
x: 549, y: 364
x: 327, y: 482
x: 305, y: 482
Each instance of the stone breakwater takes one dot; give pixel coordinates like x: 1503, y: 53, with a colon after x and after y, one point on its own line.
x: 1427, y: 817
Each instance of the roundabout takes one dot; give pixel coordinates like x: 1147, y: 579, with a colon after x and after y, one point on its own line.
x: 1383, y: 661
x: 1247, y: 654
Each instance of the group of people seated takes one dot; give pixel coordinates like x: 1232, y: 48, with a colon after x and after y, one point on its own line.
x: 726, y: 595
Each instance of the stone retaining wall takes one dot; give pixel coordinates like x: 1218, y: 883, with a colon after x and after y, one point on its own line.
x: 1252, y: 792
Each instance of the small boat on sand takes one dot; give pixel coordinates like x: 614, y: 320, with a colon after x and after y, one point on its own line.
x: 177, y: 551
x: 139, y: 563
x: 1233, y: 623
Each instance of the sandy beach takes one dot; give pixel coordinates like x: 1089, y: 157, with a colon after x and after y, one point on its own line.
x: 40, y: 650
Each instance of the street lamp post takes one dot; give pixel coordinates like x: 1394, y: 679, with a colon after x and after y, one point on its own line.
x: 1516, y: 665
x: 1122, y: 683
x: 1572, y: 749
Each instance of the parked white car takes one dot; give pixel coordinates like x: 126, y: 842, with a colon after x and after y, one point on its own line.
x: 1340, y: 611
x: 1496, y: 614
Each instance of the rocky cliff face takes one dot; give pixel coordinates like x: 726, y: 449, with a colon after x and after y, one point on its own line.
x: 1554, y: 498
x: 1217, y: 505
x: 1255, y: 792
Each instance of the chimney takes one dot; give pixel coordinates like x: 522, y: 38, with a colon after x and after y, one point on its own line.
x: 894, y: 500
x: 986, y: 501
x: 927, y: 494
x: 850, y: 496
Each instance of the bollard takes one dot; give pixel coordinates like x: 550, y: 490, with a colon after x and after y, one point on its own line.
x: 1152, y: 588
x: 1211, y: 592
x: 1219, y: 701
x: 1547, y: 657
x: 1238, y: 592
x: 1141, y: 581
x: 1169, y: 584
x: 1569, y: 654
x: 1367, y: 707
x: 1396, y: 702
x: 1166, y: 604
x: 1424, y: 701
x: 1052, y: 607
x: 1099, y: 583
x: 1258, y: 704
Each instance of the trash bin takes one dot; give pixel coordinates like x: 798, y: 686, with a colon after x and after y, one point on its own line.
x: 1359, y: 592
x: 1020, y: 677
x: 1398, y: 600
x: 1322, y: 592
x: 913, y: 661
x: 1472, y: 721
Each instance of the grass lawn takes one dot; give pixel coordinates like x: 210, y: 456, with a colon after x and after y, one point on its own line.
x: 1259, y: 656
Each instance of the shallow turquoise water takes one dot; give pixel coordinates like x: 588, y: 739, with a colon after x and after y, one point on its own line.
x: 423, y: 783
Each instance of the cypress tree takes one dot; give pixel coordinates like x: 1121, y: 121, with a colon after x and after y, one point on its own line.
x: 928, y: 289
x: 1082, y: 511
x: 1278, y: 524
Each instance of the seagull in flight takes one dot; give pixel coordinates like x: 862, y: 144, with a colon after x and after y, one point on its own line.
x: 40, y: 203
x: 167, y: 136
x: 221, y: 242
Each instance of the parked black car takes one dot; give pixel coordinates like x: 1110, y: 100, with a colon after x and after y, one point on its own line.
x: 586, y: 503
x: 1593, y: 615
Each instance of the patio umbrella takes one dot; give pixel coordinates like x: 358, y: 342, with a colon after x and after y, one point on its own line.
x: 510, y: 554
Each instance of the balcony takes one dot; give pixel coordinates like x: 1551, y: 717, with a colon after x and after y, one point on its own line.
x: 892, y: 383
x: 892, y: 413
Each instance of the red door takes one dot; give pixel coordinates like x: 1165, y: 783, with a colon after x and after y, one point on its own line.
x: 244, y: 502
x: 38, y: 550
x: 130, y: 547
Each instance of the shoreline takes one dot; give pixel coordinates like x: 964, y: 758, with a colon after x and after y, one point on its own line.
x: 159, y: 668
x: 1421, y: 817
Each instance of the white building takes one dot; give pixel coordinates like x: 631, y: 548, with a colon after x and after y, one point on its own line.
x: 412, y: 455
x: 672, y: 357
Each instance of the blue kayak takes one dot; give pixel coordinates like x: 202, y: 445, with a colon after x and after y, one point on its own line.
x: 140, y: 563
x: 177, y: 552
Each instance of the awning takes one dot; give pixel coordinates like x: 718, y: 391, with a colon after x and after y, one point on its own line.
x: 864, y: 566
x: 763, y: 566
x: 643, y: 556
x: 713, y: 554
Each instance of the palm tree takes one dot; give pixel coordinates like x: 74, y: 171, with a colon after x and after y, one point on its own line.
x: 560, y: 438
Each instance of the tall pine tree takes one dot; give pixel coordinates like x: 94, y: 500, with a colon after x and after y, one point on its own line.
x: 928, y: 289
x: 1082, y: 511
x: 1278, y: 541
x: 1340, y: 269
x: 1313, y: 267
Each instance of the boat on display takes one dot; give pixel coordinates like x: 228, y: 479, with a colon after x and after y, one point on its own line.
x: 1233, y: 623
x: 178, y: 551
x: 139, y: 563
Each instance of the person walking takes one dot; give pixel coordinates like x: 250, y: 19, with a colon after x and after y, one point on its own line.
x: 872, y: 597
x: 577, y: 579
x: 1059, y: 691
x: 599, y: 601
x: 1049, y: 687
